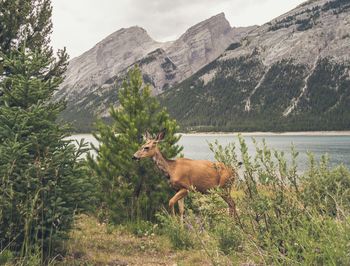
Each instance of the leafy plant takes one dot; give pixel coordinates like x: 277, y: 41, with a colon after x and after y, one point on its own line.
x: 132, y: 191
x: 179, y: 236
x: 284, y: 217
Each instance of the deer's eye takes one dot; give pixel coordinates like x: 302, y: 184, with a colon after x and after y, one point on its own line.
x: 146, y: 148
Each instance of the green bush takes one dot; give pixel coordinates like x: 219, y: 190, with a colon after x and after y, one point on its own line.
x: 43, y: 183
x: 284, y: 217
x: 327, y: 190
x: 180, y: 236
x: 229, y: 238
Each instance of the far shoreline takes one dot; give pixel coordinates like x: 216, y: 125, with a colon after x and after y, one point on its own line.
x: 259, y: 133
x: 263, y: 133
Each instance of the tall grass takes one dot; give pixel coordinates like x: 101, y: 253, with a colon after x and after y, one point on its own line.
x: 285, y: 217
x: 38, y: 202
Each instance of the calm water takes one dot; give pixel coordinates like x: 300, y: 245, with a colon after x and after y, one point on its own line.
x: 337, y: 147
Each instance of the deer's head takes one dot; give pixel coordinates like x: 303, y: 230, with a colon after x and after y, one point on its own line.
x: 149, y: 149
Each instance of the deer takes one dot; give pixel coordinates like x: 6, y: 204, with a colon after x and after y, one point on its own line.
x: 185, y: 174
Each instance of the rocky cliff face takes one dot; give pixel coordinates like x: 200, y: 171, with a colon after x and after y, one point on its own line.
x: 197, y: 47
x: 106, y: 59
x: 292, y: 73
x: 313, y: 30
x: 203, y: 43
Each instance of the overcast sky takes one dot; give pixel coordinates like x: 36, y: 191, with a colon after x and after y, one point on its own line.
x: 80, y: 24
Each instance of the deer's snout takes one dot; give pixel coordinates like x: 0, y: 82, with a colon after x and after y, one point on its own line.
x: 135, y: 158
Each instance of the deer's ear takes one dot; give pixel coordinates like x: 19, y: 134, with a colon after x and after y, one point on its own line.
x: 147, y: 136
x: 161, y: 135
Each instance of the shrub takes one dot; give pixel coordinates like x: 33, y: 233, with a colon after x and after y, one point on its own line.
x: 327, y: 190
x: 285, y: 217
x: 42, y: 180
x: 179, y: 236
x: 43, y: 183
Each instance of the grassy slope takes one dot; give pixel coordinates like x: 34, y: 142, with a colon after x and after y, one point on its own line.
x: 92, y: 243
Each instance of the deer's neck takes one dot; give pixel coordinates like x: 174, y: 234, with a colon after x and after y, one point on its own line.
x: 162, y: 163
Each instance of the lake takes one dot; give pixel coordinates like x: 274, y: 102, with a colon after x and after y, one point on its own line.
x: 336, y: 145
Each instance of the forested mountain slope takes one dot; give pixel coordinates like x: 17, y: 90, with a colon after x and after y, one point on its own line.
x: 292, y: 73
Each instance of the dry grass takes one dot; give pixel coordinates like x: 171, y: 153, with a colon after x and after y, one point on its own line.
x: 92, y: 243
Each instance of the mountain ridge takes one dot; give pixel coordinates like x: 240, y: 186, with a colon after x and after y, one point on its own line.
x: 131, y: 44
x: 292, y: 73
x: 301, y: 78
x: 90, y: 78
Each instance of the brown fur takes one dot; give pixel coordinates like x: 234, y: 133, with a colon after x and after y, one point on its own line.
x: 186, y: 173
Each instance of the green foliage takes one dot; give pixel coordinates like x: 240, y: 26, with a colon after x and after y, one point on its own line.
x: 284, y: 218
x: 179, y: 236
x: 229, y: 238
x: 207, y: 227
x: 307, y: 18
x: 337, y: 6
x: 6, y: 256
x: 132, y: 190
x: 142, y: 228
x: 26, y: 23
x: 42, y: 180
x: 328, y: 190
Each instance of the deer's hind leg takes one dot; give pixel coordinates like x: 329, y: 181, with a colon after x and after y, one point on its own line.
x: 181, y: 204
x: 226, y: 182
x: 178, y: 196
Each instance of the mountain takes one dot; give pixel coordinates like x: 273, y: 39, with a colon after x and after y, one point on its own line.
x: 113, y: 54
x: 89, y: 87
x: 292, y: 73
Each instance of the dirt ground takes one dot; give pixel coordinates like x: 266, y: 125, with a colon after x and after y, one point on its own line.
x: 92, y: 243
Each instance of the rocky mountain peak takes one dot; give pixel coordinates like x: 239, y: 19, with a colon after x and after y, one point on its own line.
x: 217, y: 24
x: 319, y: 27
x: 103, y: 61
x: 135, y: 31
x: 200, y: 44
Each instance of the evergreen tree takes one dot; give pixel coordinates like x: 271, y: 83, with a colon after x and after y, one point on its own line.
x: 42, y: 184
x: 25, y: 22
x: 132, y: 190
x: 42, y: 180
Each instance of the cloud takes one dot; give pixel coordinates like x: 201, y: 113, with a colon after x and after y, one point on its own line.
x: 80, y: 24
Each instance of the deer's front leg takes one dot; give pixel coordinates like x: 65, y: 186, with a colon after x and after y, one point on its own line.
x: 179, y: 195
x: 181, y: 205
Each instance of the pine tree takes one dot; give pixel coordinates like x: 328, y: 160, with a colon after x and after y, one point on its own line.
x: 132, y: 190
x: 25, y: 23
x: 42, y: 184
x: 42, y: 180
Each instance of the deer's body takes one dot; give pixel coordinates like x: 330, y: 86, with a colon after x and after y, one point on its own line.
x: 186, y: 173
x: 200, y: 174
